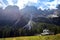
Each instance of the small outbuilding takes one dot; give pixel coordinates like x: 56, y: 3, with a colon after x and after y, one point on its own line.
x: 47, y: 32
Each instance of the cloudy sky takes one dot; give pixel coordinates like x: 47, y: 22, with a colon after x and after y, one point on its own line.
x: 43, y: 4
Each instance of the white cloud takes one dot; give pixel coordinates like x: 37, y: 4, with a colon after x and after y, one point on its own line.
x: 22, y: 3
x: 58, y: 1
x: 43, y: 4
x: 34, y: 1
x: 10, y: 2
x: 2, y: 4
x: 51, y: 5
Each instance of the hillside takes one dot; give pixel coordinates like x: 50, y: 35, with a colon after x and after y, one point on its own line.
x: 51, y: 37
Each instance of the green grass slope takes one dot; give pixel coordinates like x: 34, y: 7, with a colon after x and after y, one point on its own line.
x: 50, y: 37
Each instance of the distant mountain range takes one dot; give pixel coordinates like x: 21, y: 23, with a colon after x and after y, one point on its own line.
x: 12, y: 16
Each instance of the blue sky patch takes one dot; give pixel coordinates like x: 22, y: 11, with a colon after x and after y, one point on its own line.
x: 51, y: 0
x: 5, y: 2
x: 14, y: 1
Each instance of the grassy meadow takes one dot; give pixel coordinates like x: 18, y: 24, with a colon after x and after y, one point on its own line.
x: 49, y: 37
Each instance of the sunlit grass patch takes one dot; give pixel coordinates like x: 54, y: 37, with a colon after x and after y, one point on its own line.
x: 49, y: 37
